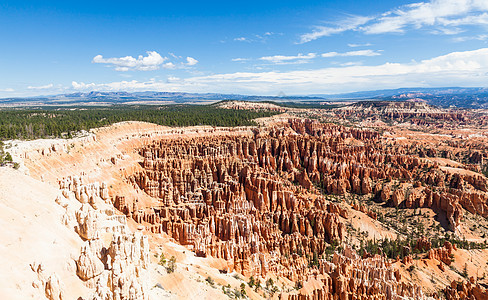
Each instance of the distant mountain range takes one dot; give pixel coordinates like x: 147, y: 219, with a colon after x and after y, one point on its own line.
x: 109, y: 98
x: 393, y: 92
x: 446, y: 97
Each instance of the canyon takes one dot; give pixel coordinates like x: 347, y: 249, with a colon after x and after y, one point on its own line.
x: 307, y: 207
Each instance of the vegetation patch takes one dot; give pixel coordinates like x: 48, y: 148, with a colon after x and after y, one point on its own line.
x: 64, y: 122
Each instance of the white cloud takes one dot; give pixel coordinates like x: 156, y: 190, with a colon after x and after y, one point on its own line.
x: 281, y: 59
x: 306, y: 58
x: 350, y: 23
x: 359, y: 45
x: 152, y: 61
x: 240, y: 59
x: 253, y: 38
x: 7, y: 90
x: 469, y: 68
x: 42, y: 87
x: 173, y: 79
x: 443, y: 15
x: 436, y: 12
x: 169, y: 65
x: 83, y: 86
x: 353, y: 53
x: 481, y: 37
x: 481, y: 19
x: 447, y: 31
x: 351, y: 63
x: 190, y: 61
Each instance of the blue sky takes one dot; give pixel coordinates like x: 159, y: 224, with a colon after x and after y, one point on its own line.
x: 253, y: 47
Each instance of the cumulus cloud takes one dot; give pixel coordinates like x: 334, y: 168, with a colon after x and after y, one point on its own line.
x: 42, y: 87
x: 152, y: 61
x: 352, y: 53
x: 190, y: 61
x: 469, y: 68
x: 444, y: 15
x: 283, y: 59
x: 83, y: 86
x: 169, y: 65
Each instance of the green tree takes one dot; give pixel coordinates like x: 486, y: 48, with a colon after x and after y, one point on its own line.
x: 8, y: 157
x: 269, y: 283
x: 171, y: 265
x: 251, y: 282
x: 162, y: 260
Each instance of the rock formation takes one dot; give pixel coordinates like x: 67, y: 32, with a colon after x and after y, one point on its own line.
x: 465, y: 291
x: 114, y: 270
x: 442, y: 254
x: 256, y: 201
x: 234, y: 197
x: 349, y: 276
x: 50, y: 286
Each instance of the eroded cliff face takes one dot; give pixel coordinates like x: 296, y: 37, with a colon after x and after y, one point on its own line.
x: 233, y: 208
x: 279, y: 173
x: 112, y: 260
x: 255, y: 198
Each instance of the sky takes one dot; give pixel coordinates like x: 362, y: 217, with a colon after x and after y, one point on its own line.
x: 253, y: 47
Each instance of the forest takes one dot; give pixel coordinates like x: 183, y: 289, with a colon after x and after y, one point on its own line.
x: 32, y: 123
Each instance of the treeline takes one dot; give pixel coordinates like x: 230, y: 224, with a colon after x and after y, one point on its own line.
x: 63, y: 122
x: 403, y: 247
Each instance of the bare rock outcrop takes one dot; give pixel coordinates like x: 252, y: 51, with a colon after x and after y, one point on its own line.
x: 465, y: 290
x: 88, y: 265
x: 53, y: 289
x: 442, y: 254
x: 115, y: 270
x: 349, y: 276
x: 50, y: 286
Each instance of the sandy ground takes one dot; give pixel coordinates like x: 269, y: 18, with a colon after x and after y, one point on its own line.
x: 362, y: 223
x: 32, y: 232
